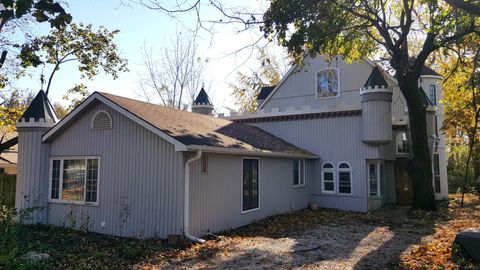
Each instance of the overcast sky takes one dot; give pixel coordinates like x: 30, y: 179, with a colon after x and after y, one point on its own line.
x: 138, y: 26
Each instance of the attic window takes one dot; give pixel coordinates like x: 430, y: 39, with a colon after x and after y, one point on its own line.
x: 101, y: 120
x: 327, y: 83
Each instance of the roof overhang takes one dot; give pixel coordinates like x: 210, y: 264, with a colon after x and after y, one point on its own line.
x: 97, y: 96
x: 239, y: 151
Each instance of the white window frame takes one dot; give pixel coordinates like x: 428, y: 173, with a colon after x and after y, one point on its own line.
x: 338, y: 82
x: 349, y: 170
x: 241, y: 187
x: 301, y: 181
x: 60, y: 188
x: 402, y: 133
x: 377, y: 164
x: 95, y: 116
x: 329, y: 170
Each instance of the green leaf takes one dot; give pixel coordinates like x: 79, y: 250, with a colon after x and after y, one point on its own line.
x: 23, y: 7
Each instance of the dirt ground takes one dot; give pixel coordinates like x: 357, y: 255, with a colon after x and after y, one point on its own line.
x: 391, y: 238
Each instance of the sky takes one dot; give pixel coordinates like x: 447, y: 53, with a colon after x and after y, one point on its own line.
x: 140, y: 26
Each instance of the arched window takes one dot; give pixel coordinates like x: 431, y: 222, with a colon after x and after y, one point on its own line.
x: 402, y: 143
x: 328, y: 178
x: 327, y: 83
x: 101, y: 120
x: 344, y: 178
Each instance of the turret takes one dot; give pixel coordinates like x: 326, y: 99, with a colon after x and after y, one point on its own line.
x: 33, y: 157
x: 202, y: 104
x: 376, y: 101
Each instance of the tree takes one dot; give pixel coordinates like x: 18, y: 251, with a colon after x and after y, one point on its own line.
x: 17, y: 12
x: 174, y: 77
x: 462, y: 104
x: 362, y: 28
x: 248, y: 86
x: 75, y: 43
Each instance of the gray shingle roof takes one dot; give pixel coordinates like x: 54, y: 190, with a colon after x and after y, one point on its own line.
x: 202, y: 98
x: 376, y: 79
x: 198, y: 129
x: 40, y: 108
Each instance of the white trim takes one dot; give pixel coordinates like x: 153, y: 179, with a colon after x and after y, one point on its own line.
x: 97, y: 96
x: 338, y: 177
x: 333, y: 171
x: 109, y: 118
x: 300, y: 184
x: 60, y: 183
x: 431, y: 77
x: 292, y: 113
x: 237, y: 151
x: 338, y: 82
x: 32, y: 123
x: 241, y: 186
x: 377, y: 164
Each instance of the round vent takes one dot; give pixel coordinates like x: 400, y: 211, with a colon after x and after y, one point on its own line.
x: 102, y: 120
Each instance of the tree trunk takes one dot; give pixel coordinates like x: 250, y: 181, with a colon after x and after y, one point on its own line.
x: 420, y: 169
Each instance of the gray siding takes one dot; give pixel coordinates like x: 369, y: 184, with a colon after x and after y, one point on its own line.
x: 216, y: 197
x: 334, y: 140
x: 376, y: 121
x: 140, y: 179
x: 31, y: 190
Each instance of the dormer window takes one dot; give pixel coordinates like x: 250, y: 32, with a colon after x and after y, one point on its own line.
x: 101, y: 120
x: 327, y: 83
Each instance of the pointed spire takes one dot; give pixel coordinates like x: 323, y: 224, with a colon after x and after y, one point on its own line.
x: 40, y: 110
x: 202, y: 99
x: 376, y: 79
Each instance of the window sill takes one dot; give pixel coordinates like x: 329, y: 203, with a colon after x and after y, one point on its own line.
x: 74, y: 203
x: 250, y: 210
x: 299, y: 186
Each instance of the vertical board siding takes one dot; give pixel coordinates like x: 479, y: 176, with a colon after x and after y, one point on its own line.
x: 334, y: 140
x: 33, y: 163
x: 376, y: 121
x: 140, y: 188
x: 216, y: 197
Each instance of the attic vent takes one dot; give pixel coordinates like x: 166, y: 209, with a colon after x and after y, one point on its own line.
x: 102, y: 120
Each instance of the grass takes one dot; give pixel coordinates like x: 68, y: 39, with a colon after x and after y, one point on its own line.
x: 70, y: 249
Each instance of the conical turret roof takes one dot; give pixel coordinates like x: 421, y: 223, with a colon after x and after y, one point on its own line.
x: 376, y: 79
x: 202, y: 99
x: 40, y: 108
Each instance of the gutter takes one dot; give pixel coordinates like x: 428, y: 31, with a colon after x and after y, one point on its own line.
x: 238, y: 151
x: 186, y: 205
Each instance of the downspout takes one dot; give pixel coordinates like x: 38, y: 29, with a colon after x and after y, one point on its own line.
x: 186, y: 206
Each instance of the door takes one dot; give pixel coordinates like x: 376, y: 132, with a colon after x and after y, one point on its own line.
x: 403, y: 183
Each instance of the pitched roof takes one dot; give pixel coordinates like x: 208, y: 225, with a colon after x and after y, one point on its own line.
x: 193, y: 129
x: 40, y: 108
x: 428, y: 71
x: 264, y: 92
x: 376, y: 79
x: 202, y: 98
x: 9, y: 156
x: 424, y: 98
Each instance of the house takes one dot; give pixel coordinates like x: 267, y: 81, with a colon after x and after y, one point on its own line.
x: 124, y: 167
x: 8, y: 158
x: 335, y: 134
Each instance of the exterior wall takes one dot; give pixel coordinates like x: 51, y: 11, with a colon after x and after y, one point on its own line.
x: 216, y: 197
x: 425, y: 82
x: 31, y: 187
x: 334, y: 140
x: 9, y: 169
x: 376, y: 117
x: 140, y: 185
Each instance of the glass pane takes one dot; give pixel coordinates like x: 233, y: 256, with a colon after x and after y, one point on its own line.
x: 92, y: 180
x: 246, y: 184
x: 296, y: 165
x: 436, y: 164
x: 327, y: 83
x: 373, y: 187
x: 328, y: 166
x: 436, y: 183
x: 73, y: 180
x: 328, y: 186
x: 328, y: 176
x: 373, y: 171
x: 55, y: 185
x: 344, y: 166
x: 254, y: 187
x: 302, y: 172
x: 344, y: 185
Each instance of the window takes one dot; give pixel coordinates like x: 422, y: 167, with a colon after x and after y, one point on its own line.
x: 101, y: 120
x: 344, y: 178
x: 402, y: 143
x: 204, y: 164
x: 433, y: 94
x: 250, y: 184
x: 436, y: 173
x: 328, y: 178
x: 299, y: 173
x: 74, y: 180
x: 375, y: 177
x: 327, y: 83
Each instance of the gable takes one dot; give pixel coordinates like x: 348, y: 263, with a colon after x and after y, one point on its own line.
x: 298, y: 90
